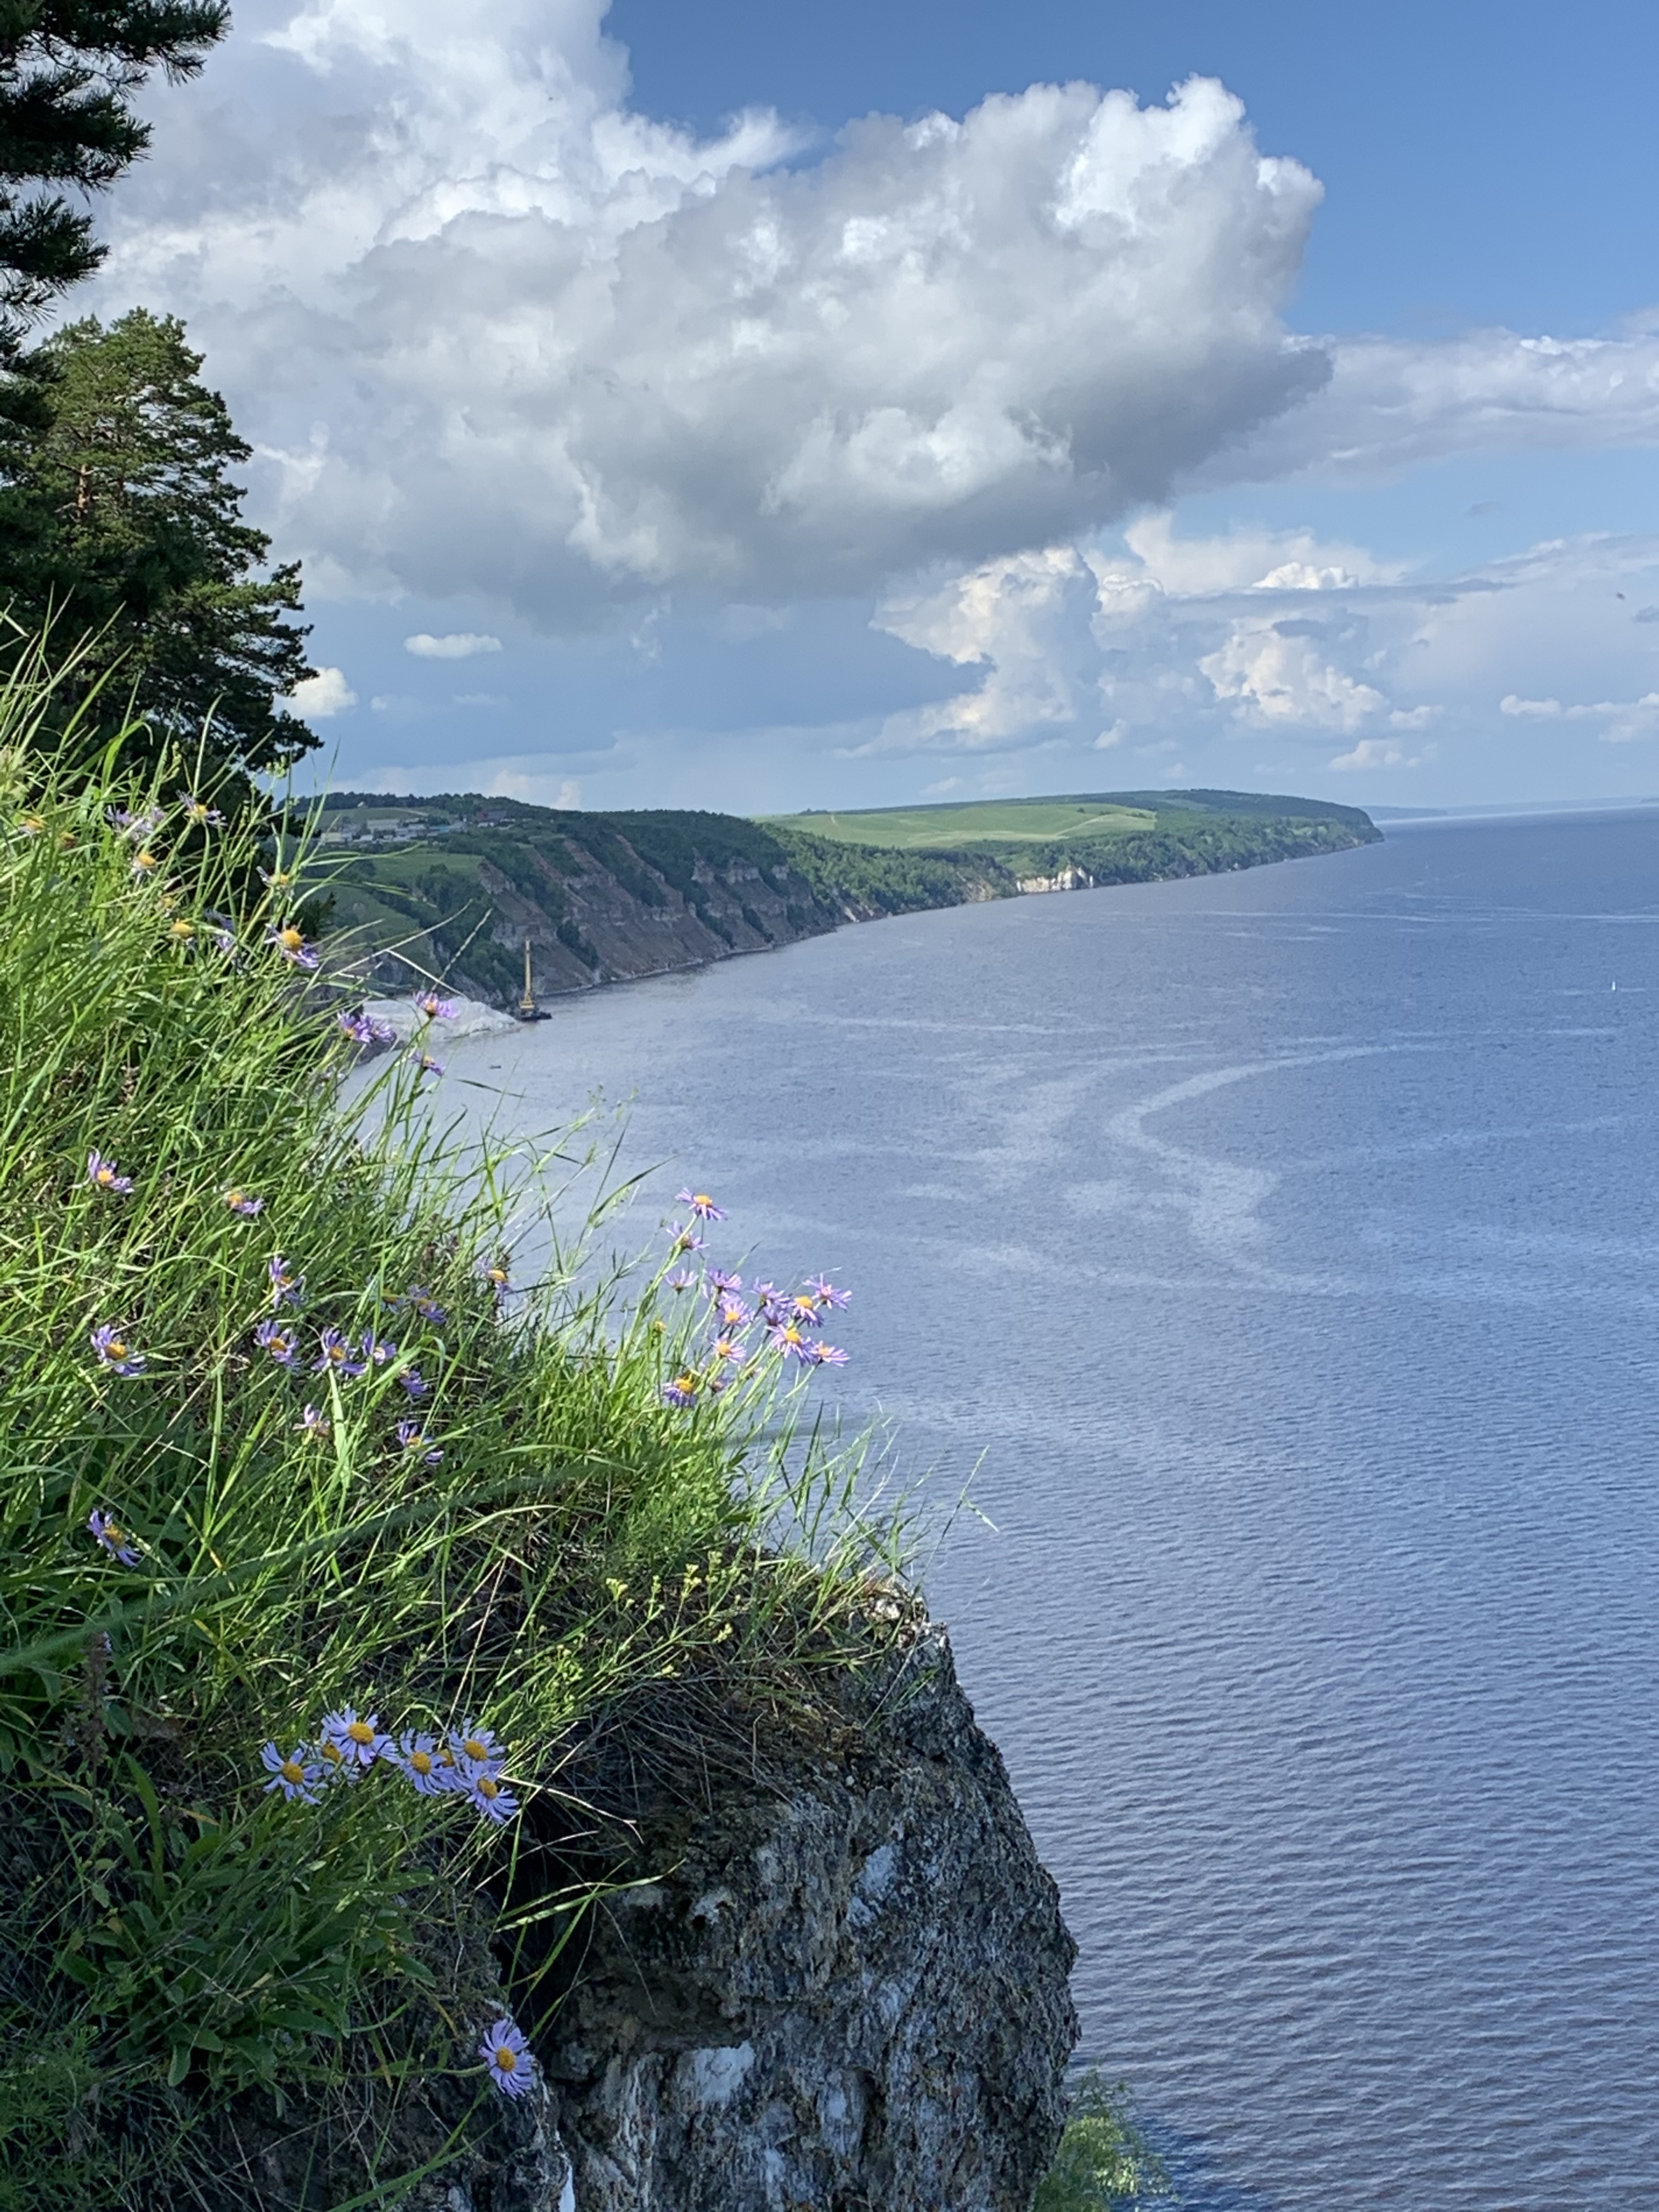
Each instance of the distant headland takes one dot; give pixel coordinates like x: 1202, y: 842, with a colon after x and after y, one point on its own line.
x: 457, y: 885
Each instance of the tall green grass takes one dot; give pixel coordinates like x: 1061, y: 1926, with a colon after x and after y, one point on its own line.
x: 177, y: 1941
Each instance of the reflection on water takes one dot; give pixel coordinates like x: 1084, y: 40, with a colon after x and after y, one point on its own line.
x: 1286, y: 1244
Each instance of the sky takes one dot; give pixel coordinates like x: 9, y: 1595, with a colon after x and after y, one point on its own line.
x: 745, y: 404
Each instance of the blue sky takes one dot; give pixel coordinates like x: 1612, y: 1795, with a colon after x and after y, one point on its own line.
x: 757, y: 406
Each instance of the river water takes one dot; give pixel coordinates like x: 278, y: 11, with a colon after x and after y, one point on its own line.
x: 1279, y: 1255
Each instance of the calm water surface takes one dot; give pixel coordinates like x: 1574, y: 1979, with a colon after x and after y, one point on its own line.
x: 1283, y: 1251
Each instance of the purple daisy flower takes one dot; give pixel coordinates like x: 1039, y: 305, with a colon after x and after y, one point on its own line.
x: 701, y: 1206
x: 825, y: 1355
x: 435, y: 1008
x: 822, y: 1291
x: 103, y: 1175
x: 476, y: 1747
x: 412, y: 1436
x: 380, y: 1350
x: 113, y: 1538
x: 722, y: 1286
x: 789, y: 1341
x: 416, y: 1758
x: 198, y: 810
x: 771, y: 1305
x: 683, y: 1278
x: 223, y: 938
x: 296, y: 1773
x: 416, y: 1383
x: 507, y: 2053
x: 683, y: 1239
x: 291, y: 944
x: 115, y: 1351
x: 316, y: 1424
x: 281, y: 1343
x: 338, y: 1355
x: 732, y: 1314
x: 241, y: 1201
x: 287, y: 1288
x: 141, y: 825
x: 497, y: 1275
x: 358, y: 1740
x: 804, y: 1311
x: 357, y: 1027
x: 425, y: 1062
x: 683, y: 1390
x: 493, y: 1799
x: 727, y: 1349
x: 426, y: 1306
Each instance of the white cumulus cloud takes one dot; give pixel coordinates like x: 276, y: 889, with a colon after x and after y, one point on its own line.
x: 1285, y: 679
x: 1209, y: 642
x: 457, y: 645
x: 496, y: 332
x: 322, y: 694
x: 1379, y: 753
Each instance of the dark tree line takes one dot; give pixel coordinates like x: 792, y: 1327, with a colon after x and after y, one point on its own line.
x: 120, y: 517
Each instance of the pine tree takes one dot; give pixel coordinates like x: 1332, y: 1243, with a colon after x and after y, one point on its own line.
x: 68, y: 72
x: 120, y: 522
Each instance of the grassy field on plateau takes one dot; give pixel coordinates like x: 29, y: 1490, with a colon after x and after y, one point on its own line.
x: 947, y: 827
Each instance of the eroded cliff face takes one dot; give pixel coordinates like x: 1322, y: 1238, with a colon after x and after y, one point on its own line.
x: 733, y: 908
x: 850, y: 1994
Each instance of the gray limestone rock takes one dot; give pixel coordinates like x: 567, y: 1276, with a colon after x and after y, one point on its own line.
x: 848, y: 1993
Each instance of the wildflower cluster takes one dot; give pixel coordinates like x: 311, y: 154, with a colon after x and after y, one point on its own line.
x: 466, y: 1763
x: 736, y: 1325
x: 349, y: 1359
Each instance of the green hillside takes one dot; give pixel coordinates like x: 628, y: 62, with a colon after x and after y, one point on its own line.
x: 458, y: 885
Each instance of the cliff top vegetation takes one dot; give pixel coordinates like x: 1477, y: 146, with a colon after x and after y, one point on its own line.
x: 334, y: 1532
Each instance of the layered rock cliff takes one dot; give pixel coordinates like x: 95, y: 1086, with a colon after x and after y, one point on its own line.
x: 845, y: 1992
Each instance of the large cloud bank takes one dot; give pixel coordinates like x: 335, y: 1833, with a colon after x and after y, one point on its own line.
x: 1167, y: 649
x: 499, y: 334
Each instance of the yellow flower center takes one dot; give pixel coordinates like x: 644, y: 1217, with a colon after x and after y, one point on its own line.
x: 117, y: 1349
x: 474, y: 1749
x: 292, y: 1771
x: 686, y: 1382
x: 446, y: 1757
x: 487, y: 1788
x: 181, y: 930
x: 333, y: 1754
x: 507, y: 2059
x: 361, y: 1732
x: 421, y: 1761
x: 145, y: 860
x: 289, y: 939
x: 112, y: 1535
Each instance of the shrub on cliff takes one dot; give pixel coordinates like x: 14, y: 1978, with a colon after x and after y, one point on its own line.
x: 325, y: 1536
x: 1105, y: 2162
